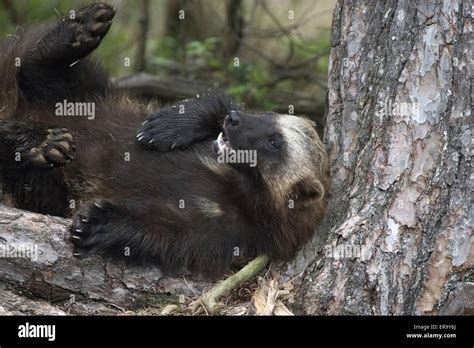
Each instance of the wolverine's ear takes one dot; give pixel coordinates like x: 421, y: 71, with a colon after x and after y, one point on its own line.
x: 308, y: 191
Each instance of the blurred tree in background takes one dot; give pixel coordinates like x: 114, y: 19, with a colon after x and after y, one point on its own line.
x: 269, y: 54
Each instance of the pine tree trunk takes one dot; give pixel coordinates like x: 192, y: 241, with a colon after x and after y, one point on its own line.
x: 398, y: 235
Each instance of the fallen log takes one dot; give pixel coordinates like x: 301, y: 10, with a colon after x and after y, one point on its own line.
x: 36, y: 261
x: 173, y: 88
x: 167, y: 89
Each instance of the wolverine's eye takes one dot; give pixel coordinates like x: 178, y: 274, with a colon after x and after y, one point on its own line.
x: 275, y: 140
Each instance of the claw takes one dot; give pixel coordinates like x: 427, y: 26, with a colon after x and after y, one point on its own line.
x: 64, y: 145
x: 100, y: 13
x: 99, y: 205
x: 104, y: 14
x: 67, y: 136
x: 56, y: 155
x: 89, y: 40
x: 38, y: 159
x: 96, y: 27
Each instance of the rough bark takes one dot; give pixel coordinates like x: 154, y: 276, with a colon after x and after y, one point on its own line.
x: 12, y: 304
x: 37, y: 262
x: 401, y: 206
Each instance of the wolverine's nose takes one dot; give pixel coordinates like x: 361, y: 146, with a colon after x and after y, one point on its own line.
x: 233, y: 118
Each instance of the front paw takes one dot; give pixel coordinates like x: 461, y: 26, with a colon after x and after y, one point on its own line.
x: 56, y: 150
x: 90, y: 230
x: 161, y: 132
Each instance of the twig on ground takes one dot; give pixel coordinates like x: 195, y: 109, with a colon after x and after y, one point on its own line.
x: 210, y: 298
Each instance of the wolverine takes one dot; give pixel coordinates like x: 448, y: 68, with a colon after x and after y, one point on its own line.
x: 150, y: 186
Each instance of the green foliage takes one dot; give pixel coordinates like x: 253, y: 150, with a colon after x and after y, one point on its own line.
x: 33, y: 11
x: 321, y: 45
x: 249, y: 82
x: 204, y: 60
x: 164, y: 48
x: 246, y: 81
x: 196, y: 49
x: 111, y: 52
x: 38, y: 10
x: 114, y: 50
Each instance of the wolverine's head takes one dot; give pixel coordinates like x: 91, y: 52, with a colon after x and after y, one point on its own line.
x: 284, y: 150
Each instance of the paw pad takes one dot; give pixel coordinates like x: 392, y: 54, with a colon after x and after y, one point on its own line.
x: 91, y: 25
x: 56, y: 150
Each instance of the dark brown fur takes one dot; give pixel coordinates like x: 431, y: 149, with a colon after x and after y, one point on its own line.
x: 133, y: 209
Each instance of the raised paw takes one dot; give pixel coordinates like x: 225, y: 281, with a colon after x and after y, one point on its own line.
x: 90, y: 25
x: 91, y: 229
x: 56, y: 150
x: 163, y: 133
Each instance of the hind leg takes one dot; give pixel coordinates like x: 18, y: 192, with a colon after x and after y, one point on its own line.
x: 55, y: 67
x: 30, y: 159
